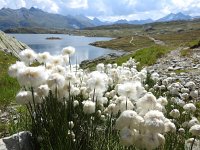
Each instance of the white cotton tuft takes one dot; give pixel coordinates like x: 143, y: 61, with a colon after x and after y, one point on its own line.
x: 126, y: 137
x: 162, y: 100
x: 97, y: 81
x: 68, y: 50
x: 88, y: 107
x: 195, y: 130
x: 188, y: 143
x: 14, y: 68
x: 154, y: 121
x: 56, y: 80
x: 28, y: 56
x: 189, y: 107
x: 32, y: 76
x: 24, y: 97
x: 43, y: 57
x: 129, y: 118
x: 147, y: 102
x: 100, y: 67
x: 43, y: 90
x: 175, y: 113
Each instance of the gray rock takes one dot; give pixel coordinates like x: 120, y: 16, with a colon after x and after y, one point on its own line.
x: 10, y: 45
x: 19, y: 141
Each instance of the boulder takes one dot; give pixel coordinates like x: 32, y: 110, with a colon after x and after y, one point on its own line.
x: 9, y: 44
x: 19, y: 141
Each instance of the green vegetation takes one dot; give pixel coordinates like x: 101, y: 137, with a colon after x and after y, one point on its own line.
x: 194, y: 44
x: 128, y: 43
x: 146, y: 56
x: 178, y: 39
x: 180, y: 71
x: 186, y: 52
x: 8, y: 85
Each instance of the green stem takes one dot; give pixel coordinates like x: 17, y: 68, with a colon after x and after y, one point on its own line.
x: 192, y: 143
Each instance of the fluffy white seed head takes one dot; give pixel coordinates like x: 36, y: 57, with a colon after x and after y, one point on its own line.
x: 188, y: 143
x: 129, y: 118
x: 193, y: 122
x: 162, y: 100
x: 43, y: 90
x: 14, y: 68
x: 88, y: 107
x: 56, y: 80
x: 32, y: 76
x: 126, y: 137
x: 175, y: 113
x: 68, y: 50
x: 28, y: 56
x: 97, y: 81
x: 154, y: 121
x: 24, y: 97
x: 170, y: 126
x: 189, y: 107
x: 147, y: 102
x: 43, y: 57
x: 100, y: 67
x: 195, y: 130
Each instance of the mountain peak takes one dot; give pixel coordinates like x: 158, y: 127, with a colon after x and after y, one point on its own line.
x: 174, y: 17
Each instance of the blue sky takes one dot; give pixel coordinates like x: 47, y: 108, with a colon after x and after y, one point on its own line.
x: 111, y: 10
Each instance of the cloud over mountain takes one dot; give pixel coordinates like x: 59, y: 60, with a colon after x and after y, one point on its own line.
x: 111, y: 9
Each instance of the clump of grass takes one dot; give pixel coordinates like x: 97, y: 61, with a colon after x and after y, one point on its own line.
x: 8, y: 85
x: 180, y: 71
x: 185, y: 52
x: 146, y: 56
x: 194, y: 43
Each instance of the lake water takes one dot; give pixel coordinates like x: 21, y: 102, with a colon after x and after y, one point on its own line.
x: 84, y: 51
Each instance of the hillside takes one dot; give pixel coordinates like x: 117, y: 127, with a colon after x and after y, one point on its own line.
x: 33, y: 17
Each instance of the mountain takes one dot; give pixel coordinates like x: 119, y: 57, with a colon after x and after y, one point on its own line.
x: 121, y: 21
x: 84, y: 20
x: 196, y: 17
x: 174, y: 17
x: 37, y: 18
x: 34, y: 17
x: 141, y: 21
x: 98, y: 22
x: 124, y: 21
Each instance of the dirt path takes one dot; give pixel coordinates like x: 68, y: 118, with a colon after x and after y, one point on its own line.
x: 131, y: 41
x: 158, y: 42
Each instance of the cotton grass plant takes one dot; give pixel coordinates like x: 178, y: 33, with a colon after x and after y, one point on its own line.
x: 114, y: 107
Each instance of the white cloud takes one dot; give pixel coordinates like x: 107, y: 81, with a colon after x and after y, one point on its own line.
x: 78, y: 4
x: 3, y: 3
x: 47, y: 5
x: 111, y: 9
x: 22, y: 3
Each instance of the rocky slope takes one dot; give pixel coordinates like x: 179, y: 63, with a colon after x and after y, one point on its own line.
x: 10, y: 44
x: 185, y: 68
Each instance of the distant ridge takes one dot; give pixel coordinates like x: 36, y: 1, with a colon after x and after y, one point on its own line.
x: 37, y: 18
x: 174, y: 17
x: 34, y: 17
